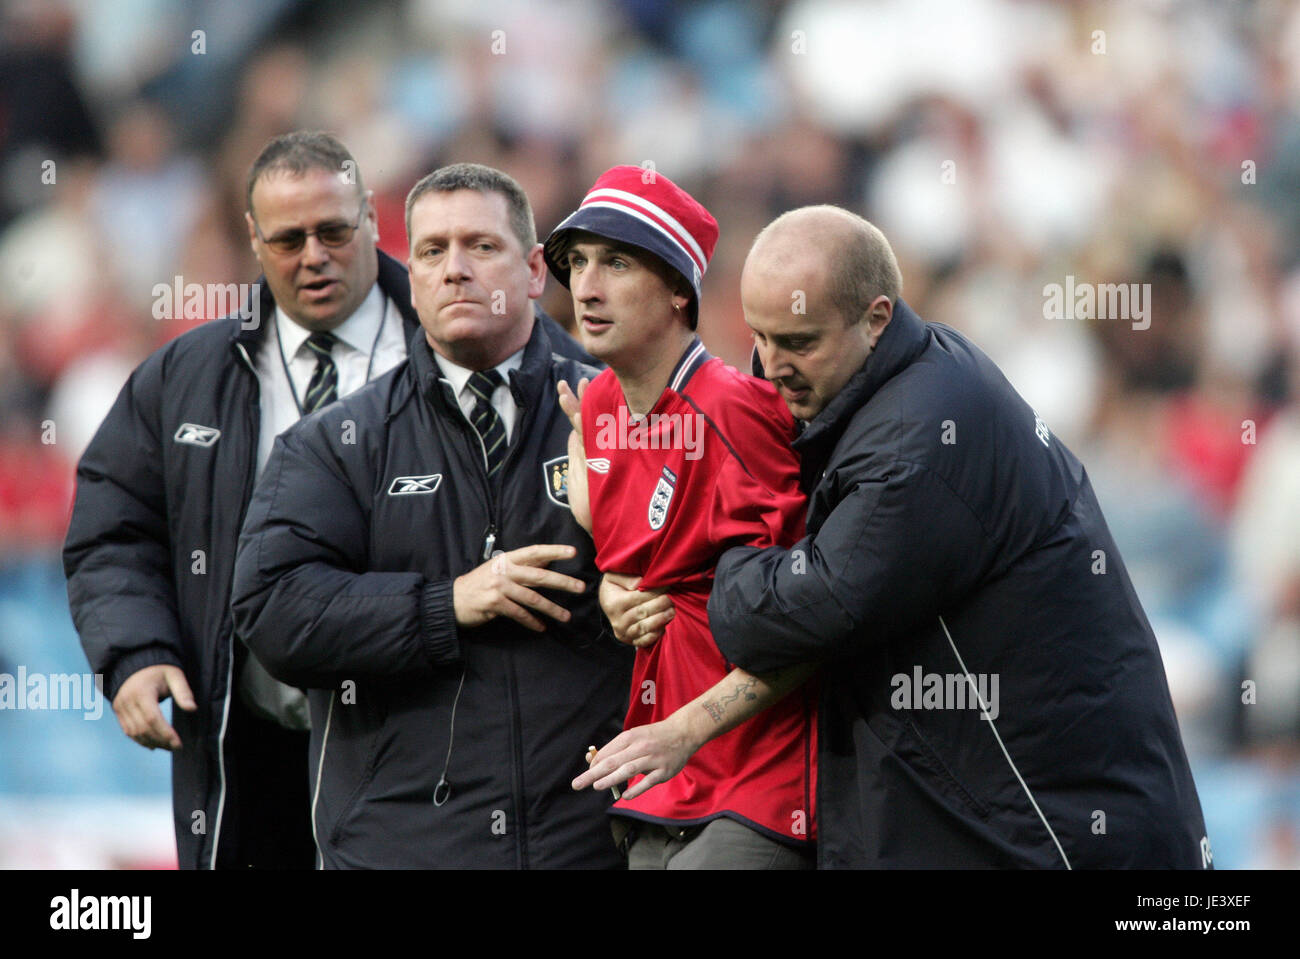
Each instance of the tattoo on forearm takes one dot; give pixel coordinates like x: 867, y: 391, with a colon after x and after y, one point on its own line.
x: 744, y: 688
x: 718, y: 708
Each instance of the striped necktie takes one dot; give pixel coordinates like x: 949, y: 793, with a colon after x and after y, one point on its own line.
x: 486, y: 420
x: 324, y: 386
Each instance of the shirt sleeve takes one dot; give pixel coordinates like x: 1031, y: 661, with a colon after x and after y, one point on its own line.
x: 756, y: 499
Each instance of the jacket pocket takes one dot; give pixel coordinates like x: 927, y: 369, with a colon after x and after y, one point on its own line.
x: 370, y: 734
x: 924, y: 756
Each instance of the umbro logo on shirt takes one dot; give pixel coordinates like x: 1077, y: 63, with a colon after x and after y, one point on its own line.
x: 405, y: 485
x: 598, y: 465
x: 196, y: 435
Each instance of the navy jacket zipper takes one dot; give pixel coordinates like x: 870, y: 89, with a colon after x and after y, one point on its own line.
x: 254, y: 433
x: 489, y: 544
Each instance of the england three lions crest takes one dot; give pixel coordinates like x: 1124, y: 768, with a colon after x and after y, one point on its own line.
x: 663, y: 496
x: 555, y: 477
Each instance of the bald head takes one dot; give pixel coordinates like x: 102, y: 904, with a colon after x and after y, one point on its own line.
x: 818, y: 290
x: 831, y: 250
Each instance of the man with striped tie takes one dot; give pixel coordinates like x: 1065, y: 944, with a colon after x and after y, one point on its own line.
x: 410, y: 559
x: 163, y: 486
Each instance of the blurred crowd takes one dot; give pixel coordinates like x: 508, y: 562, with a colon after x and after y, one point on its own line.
x: 1002, y: 145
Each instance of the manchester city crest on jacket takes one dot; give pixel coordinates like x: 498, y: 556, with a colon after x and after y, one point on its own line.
x: 555, y: 477
x: 663, y: 495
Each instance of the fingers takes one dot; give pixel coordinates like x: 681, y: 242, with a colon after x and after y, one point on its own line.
x: 634, y: 605
x: 650, y: 630
x: 634, y: 617
x: 618, y: 604
x: 657, y: 608
x: 599, y: 761
x: 540, y: 555
x: 516, y: 578
x: 600, y: 776
x: 652, y: 778
x: 624, y: 756
x: 542, y: 578
x: 585, y: 780
x: 648, y: 640
x: 567, y: 396
x: 180, y: 690
x: 571, y: 404
x: 620, y: 775
x: 516, y: 597
x: 501, y: 587
x: 623, y: 580
x: 142, y: 720
x: 159, y: 732
x: 137, y: 710
x: 512, y: 610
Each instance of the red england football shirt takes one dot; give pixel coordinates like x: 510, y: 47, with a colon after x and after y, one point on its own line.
x: 709, y: 468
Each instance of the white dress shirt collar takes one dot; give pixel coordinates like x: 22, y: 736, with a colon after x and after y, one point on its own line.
x: 358, y: 331
x: 459, y: 376
x: 503, y: 401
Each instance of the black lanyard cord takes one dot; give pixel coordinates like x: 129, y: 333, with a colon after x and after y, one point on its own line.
x: 370, y: 364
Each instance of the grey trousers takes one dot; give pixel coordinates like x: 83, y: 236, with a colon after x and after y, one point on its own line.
x: 719, y: 844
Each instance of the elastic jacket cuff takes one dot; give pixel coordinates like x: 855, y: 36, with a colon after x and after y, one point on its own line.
x: 131, y: 663
x: 438, y: 623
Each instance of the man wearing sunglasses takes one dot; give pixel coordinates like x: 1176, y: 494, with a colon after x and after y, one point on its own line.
x: 163, y: 488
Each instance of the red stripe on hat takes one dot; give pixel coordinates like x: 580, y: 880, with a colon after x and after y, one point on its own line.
x: 667, y: 229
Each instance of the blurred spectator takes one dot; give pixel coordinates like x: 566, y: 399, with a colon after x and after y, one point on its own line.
x: 43, y: 115
x: 145, y: 203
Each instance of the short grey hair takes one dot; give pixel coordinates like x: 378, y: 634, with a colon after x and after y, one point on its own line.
x: 300, y: 151
x: 480, y: 179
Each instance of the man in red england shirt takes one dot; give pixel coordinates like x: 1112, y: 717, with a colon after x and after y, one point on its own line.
x: 685, y: 457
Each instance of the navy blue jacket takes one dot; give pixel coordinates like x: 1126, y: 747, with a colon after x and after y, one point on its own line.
x: 150, y: 550
x: 957, y: 565
x: 366, y: 513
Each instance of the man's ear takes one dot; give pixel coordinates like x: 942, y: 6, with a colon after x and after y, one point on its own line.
x: 252, y: 232
x: 879, y: 313
x: 536, y: 272
x: 372, y: 215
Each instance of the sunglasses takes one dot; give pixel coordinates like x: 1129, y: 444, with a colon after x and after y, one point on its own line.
x: 330, y: 234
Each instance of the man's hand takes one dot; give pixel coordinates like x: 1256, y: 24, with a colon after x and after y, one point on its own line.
x: 579, y: 502
x: 637, y: 616
x: 136, y: 705
x: 659, y: 750
x: 501, y: 587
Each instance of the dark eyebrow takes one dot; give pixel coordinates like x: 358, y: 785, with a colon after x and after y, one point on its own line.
x: 289, y: 231
x: 791, y: 337
x: 609, y: 249
x: 441, y: 237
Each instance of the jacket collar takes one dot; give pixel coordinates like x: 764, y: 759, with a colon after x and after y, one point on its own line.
x: 526, y: 382
x: 898, y: 347
x: 392, y: 280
